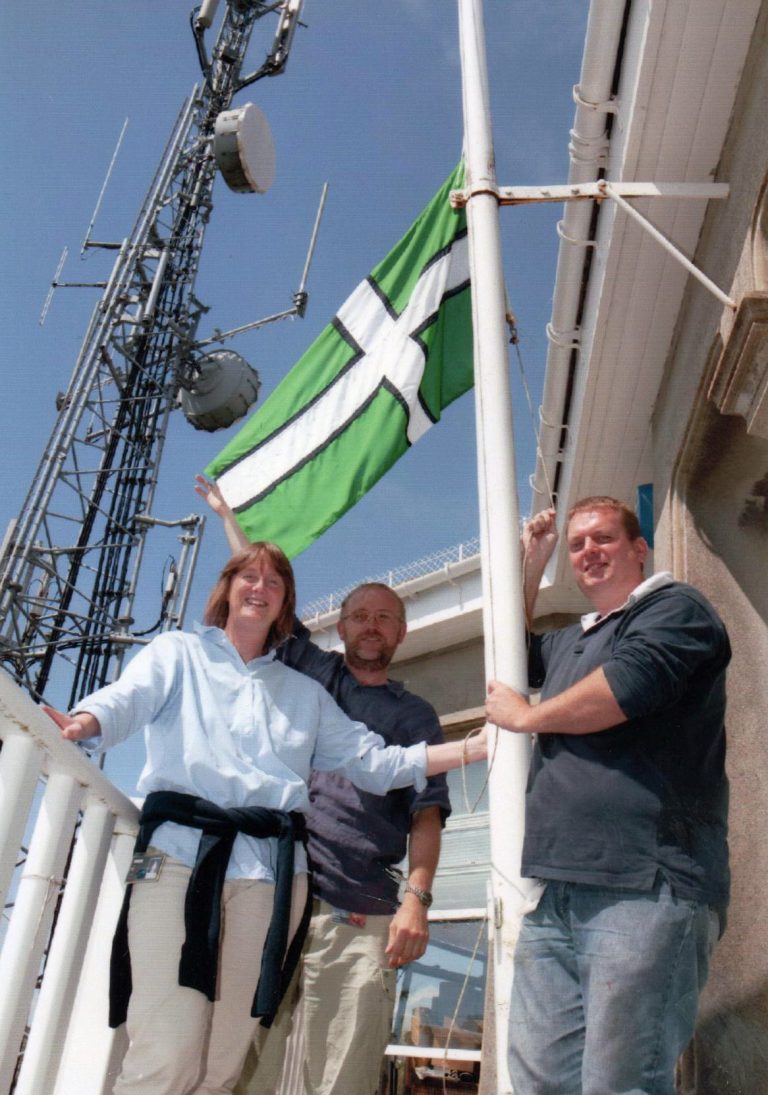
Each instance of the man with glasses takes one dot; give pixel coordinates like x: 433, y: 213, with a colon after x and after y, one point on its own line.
x: 359, y: 936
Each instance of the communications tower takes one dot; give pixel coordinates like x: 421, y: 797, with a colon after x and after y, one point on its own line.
x: 70, y: 563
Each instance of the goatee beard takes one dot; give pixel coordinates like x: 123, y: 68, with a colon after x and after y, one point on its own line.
x: 356, y: 662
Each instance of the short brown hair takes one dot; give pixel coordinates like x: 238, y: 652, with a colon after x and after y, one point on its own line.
x: 629, y: 520
x: 217, y: 608
x: 372, y: 585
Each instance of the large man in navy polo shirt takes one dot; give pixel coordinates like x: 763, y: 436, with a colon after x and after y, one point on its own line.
x: 626, y: 817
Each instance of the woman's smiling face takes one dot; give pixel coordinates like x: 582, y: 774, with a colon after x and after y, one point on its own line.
x: 257, y: 592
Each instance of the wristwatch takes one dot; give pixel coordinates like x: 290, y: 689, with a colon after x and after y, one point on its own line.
x: 424, y: 896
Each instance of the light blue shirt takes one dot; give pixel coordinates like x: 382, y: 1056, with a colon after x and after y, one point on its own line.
x: 238, y: 734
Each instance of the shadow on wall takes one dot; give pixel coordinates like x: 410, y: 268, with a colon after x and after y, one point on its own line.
x: 728, y: 500
x: 724, y: 547
x: 729, y: 1055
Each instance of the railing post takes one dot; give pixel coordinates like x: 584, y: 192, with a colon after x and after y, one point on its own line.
x: 33, y: 914
x: 54, y: 1006
x: 20, y: 763
x: 93, y: 1052
x: 78, y: 961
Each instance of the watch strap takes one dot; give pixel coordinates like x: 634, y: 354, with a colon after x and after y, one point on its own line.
x: 424, y: 896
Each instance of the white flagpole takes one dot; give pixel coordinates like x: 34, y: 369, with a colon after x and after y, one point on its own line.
x: 503, y: 608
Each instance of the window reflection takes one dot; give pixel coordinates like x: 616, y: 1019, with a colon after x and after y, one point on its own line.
x: 440, y: 1003
x: 468, y: 789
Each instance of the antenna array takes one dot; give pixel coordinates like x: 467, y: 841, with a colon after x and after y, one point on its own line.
x: 71, y: 561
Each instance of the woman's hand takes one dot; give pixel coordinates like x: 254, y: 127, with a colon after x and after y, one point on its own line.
x: 211, y: 492
x: 477, y: 744
x: 78, y: 727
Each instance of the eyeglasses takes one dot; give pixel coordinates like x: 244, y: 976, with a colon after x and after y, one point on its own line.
x: 364, y: 617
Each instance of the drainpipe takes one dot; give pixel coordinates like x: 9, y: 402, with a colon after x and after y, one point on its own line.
x: 588, y: 148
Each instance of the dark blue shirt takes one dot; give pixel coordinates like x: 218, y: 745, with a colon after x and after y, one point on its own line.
x: 648, y: 797
x: 354, y: 836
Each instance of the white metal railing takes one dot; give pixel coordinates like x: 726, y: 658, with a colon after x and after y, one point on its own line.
x: 429, y: 564
x: 54, y: 1035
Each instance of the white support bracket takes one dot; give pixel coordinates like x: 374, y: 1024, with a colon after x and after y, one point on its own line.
x: 613, y: 193
x: 616, y: 192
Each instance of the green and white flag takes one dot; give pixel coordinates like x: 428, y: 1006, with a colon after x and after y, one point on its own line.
x: 375, y: 379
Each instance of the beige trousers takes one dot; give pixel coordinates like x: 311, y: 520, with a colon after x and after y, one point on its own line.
x: 179, y: 1041
x: 347, y: 994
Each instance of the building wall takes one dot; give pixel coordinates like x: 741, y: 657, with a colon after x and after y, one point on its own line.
x: 727, y: 558
x: 452, y: 679
x: 711, y: 492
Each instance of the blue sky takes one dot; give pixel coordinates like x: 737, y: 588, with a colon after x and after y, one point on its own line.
x: 370, y: 102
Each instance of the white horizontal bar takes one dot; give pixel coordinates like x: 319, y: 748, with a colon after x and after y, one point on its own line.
x: 433, y: 1053
x: 526, y: 195
x: 446, y: 916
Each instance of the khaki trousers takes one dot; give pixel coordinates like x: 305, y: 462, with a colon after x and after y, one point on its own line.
x: 347, y: 994
x: 179, y: 1041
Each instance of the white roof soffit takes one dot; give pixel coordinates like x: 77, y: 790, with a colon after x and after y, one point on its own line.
x: 681, y: 63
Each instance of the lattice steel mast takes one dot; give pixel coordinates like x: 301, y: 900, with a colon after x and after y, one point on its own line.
x: 71, y: 561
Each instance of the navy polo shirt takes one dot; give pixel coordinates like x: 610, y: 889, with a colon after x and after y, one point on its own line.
x: 649, y: 797
x: 355, y: 838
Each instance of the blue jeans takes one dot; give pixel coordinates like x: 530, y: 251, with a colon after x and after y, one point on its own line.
x: 605, y: 990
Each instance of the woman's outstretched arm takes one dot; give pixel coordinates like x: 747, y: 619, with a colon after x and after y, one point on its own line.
x: 236, y: 538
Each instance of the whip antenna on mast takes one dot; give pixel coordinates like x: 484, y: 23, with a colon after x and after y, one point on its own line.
x: 53, y: 286
x: 87, y: 241
x: 56, y: 284
x: 300, y: 296
x: 220, y: 386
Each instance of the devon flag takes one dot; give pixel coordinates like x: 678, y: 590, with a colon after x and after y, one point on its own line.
x: 376, y: 378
